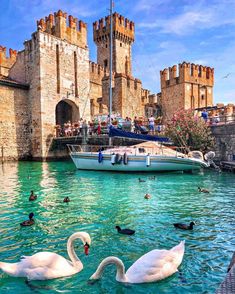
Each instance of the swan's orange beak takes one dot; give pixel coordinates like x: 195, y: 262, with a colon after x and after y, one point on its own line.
x: 86, y: 249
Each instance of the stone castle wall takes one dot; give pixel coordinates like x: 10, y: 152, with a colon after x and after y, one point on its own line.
x: 225, y: 141
x: 127, y: 95
x: 58, y: 83
x: 172, y: 99
x: 14, y: 123
x: 95, y: 92
x: 191, y: 87
x: 17, y: 72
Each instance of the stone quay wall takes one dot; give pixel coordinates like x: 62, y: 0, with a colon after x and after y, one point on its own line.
x: 225, y: 141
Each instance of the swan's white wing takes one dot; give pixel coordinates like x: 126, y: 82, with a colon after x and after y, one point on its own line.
x: 43, y: 259
x: 154, y: 265
x: 46, y: 265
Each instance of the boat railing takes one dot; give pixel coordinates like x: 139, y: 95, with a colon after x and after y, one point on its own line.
x: 96, y: 148
x: 74, y: 148
x: 134, y: 150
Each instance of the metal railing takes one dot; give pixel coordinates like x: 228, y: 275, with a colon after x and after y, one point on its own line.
x: 134, y: 150
x: 221, y: 120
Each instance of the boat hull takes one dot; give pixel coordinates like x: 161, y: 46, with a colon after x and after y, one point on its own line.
x: 88, y: 161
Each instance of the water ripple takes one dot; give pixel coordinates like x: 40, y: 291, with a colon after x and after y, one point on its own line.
x: 99, y: 202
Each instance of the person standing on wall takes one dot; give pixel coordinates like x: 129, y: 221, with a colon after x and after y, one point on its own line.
x: 136, y: 125
x: 204, y: 115
x: 84, y: 128
x: 151, y: 124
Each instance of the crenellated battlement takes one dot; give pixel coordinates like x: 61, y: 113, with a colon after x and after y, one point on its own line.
x: 6, y: 62
x: 121, y: 79
x: 145, y: 93
x: 96, y: 72
x: 3, y: 54
x: 186, y: 86
x: 123, y: 29
x: 187, y: 72
x: 96, y: 68
x: 145, y: 96
x: 56, y: 25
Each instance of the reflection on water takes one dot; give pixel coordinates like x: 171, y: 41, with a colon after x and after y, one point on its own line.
x: 99, y: 202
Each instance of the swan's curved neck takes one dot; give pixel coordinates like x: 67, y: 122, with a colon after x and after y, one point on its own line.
x: 120, y: 276
x: 70, y: 247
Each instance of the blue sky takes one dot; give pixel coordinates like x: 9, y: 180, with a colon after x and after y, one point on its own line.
x: 167, y: 32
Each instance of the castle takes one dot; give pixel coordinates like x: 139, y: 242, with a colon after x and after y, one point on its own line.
x: 52, y: 81
x: 191, y: 88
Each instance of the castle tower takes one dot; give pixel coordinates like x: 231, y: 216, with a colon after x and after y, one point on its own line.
x: 190, y: 88
x: 55, y: 63
x: 123, y: 37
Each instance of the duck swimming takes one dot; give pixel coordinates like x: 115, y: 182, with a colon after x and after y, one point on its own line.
x: 184, y: 226
x: 147, y: 196
x: 32, y: 196
x: 66, y: 199
x: 203, y: 190
x: 29, y: 222
x: 141, y: 181
x: 153, y: 266
x: 125, y: 231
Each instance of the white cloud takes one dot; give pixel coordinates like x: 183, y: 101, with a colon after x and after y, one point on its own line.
x: 184, y: 23
x: 180, y: 25
x: 148, y: 6
x: 191, y: 18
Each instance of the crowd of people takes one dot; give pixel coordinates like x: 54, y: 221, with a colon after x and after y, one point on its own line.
x: 69, y: 129
x: 97, y: 126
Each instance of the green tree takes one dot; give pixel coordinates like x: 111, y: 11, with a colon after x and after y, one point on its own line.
x: 187, y: 129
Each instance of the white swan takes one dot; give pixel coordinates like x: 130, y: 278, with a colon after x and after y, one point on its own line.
x: 153, y: 266
x: 49, y: 265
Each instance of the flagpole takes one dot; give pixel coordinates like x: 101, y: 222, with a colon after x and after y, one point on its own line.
x: 110, y: 66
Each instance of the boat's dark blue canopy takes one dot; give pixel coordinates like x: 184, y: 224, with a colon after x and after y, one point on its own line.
x: 114, y: 132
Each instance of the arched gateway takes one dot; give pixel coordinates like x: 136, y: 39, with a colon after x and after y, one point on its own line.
x: 66, y: 110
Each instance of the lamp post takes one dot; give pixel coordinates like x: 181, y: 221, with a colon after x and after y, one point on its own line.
x: 110, y: 67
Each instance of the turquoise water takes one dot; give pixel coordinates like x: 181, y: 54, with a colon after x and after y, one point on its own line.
x: 101, y: 200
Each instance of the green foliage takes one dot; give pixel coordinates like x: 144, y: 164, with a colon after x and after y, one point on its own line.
x: 186, y: 128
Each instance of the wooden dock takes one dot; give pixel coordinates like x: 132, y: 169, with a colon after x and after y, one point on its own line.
x: 228, y: 285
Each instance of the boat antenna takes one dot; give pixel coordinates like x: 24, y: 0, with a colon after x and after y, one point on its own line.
x: 110, y: 66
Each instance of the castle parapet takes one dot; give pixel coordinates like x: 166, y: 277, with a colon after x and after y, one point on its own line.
x: 6, y: 62
x: 145, y: 93
x: 123, y: 28
x: 144, y: 96
x: 56, y: 25
x: 187, y: 72
x: 96, y: 72
x: 128, y: 81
